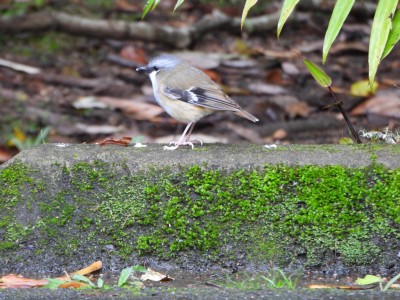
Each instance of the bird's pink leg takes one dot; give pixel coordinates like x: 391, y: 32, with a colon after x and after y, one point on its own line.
x: 188, y: 136
x: 182, y: 141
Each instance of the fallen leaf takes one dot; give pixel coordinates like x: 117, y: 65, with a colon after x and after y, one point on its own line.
x: 134, y: 54
x: 72, y: 285
x: 5, y: 155
x: 298, y: 109
x: 383, y: 105
x: 99, y: 129
x: 363, y: 88
x: 369, y: 279
x: 155, y: 276
x: 19, y: 282
x: 342, y: 287
x: 279, y: 134
x: 138, y: 110
x: 290, y: 68
x: 349, y: 46
x: 125, y: 141
x: 245, y: 132
x: 264, y: 88
x: 97, y: 265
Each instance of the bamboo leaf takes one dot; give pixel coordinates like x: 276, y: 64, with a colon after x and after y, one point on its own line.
x: 249, y: 4
x: 339, y: 15
x: 178, y: 3
x: 379, y: 34
x: 287, y: 8
x: 394, y: 34
x: 319, y: 75
x: 149, y: 4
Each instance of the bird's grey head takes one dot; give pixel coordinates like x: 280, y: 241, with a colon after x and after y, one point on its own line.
x: 161, y: 62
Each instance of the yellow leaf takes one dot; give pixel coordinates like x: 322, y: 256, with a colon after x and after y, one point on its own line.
x: 363, y: 88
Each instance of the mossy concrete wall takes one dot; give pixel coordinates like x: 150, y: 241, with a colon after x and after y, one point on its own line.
x: 326, y: 208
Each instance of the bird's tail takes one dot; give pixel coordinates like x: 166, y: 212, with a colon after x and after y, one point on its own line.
x: 246, y: 115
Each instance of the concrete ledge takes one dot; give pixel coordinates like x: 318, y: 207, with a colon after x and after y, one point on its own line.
x: 327, y: 208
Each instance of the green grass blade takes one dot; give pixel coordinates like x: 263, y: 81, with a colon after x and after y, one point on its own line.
x: 339, y: 15
x: 287, y: 8
x: 149, y: 4
x: 394, y: 34
x: 379, y: 34
x: 319, y: 75
x: 155, y: 4
x: 178, y: 3
x: 249, y: 4
x: 391, y: 281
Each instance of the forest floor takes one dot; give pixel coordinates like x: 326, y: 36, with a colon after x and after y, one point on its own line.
x: 86, y: 88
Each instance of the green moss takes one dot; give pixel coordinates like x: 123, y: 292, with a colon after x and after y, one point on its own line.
x: 276, y: 213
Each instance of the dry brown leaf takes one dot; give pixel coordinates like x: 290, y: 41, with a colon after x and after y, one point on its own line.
x: 276, y: 53
x: 97, y: 265
x: 124, y: 5
x: 298, y: 109
x: 336, y: 286
x: 134, y: 54
x: 279, y: 134
x: 5, y: 155
x: 72, y: 285
x: 349, y: 46
x: 19, y: 282
x: 124, y: 141
x: 155, y: 276
x: 264, y: 88
x: 383, y: 105
x: 245, y: 132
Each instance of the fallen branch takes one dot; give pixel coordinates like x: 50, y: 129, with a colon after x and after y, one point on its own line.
x: 157, y: 33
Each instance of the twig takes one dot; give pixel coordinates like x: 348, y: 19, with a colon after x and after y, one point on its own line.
x: 19, y: 67
x: 158, y: 33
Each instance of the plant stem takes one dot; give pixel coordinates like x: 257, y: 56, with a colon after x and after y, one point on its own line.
x: 345, y: 116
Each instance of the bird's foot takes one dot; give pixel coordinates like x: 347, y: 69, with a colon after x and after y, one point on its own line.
x: 177, y: 144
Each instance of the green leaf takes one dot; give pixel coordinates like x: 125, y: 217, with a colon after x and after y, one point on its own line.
x: 339, y: 14
x: 178, y: 3
x: 394, y: 35
x: 379, y: 34
x: 124, y: 276
x: 369, y: 279
x: 149, y: 4
x: 100, y: 282
x: 345, y: 141
x: 363, y: 88
x: 249, y: 4
x: 287, y: 8
x: 53, y: 283
x: 319, y: 75
x: 81, y: 278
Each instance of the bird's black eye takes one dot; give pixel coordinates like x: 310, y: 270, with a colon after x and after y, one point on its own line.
x: 155, y: 68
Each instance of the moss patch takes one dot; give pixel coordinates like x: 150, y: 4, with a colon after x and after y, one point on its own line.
x: 276, y: 213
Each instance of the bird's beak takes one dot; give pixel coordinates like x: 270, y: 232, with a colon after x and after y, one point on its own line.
x: 142, y: 69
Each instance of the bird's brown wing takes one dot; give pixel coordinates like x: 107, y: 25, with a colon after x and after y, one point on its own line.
x: 207, y: 95
x: 208, y: 98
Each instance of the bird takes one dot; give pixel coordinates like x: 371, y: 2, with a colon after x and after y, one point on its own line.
x: 187, y: 94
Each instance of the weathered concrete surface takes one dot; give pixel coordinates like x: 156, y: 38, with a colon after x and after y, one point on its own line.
x: 65, y: 206
x: 219, y: 156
